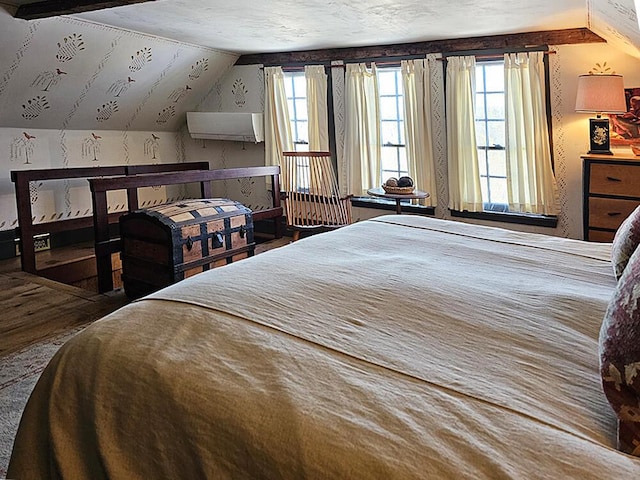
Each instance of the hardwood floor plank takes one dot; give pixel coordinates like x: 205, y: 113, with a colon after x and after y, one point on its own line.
x: 35, y: 308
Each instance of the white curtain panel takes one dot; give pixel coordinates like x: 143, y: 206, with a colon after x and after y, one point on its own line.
x: 464, y: 176
x: 531, y: 184
x: 362, y: 128
x: 318, y: 123
x: 277, y: 128
x: 417, y: 126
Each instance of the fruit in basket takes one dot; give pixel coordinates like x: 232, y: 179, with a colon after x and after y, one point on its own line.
x: 391, y: 182
x: 405, y: 182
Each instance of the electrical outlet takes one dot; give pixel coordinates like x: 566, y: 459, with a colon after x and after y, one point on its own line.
x: 40, y: 242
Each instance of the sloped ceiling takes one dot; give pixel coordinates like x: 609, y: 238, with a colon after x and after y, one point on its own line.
x: 616, y: 22
x: 64, y: 73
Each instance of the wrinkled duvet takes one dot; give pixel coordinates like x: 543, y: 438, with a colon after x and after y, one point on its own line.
x: 401, y: 347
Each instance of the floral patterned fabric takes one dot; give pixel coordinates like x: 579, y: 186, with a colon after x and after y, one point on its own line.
x: 620, y: 356
x: 625, y: 242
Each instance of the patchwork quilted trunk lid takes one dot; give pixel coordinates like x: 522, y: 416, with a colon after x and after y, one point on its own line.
x: 169, y: 242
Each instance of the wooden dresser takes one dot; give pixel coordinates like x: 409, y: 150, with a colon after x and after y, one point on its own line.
x: 611, y: 186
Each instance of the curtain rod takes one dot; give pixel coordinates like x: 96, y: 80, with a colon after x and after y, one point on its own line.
x: 499, y: 55
x: 397, y: 63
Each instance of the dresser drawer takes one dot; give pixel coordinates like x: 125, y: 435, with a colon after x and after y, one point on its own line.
x: 611, y: 179
x: 601, y: 236
x: 609, y: 212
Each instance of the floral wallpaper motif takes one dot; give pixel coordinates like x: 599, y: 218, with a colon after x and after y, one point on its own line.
x: 70, y: 47
x: 107, y: 110
x: 34, y: 107
x: 199, y: 68
x: 140, y: 59
x: 75, y: 93
x: 239, y: 92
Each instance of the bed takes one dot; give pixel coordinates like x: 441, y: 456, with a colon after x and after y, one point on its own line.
x: 397, y: 347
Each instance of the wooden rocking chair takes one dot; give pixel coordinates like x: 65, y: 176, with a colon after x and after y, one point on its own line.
x: 310, y: 193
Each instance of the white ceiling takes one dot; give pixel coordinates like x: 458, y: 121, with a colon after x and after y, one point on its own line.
x: 250, y: 26
x: 262, y: 26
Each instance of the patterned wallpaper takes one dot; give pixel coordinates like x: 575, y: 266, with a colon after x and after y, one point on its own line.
x: 241, y: 89
x: 76, y: 93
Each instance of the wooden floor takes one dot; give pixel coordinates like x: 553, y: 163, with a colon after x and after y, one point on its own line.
x: 35, y: 308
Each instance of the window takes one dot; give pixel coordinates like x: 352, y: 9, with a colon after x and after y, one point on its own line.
x: 490, y: 134
x: 296, y: 89
x: 394, y: 157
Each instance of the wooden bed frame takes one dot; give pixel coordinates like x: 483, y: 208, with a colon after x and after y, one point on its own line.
x: 129, y: 178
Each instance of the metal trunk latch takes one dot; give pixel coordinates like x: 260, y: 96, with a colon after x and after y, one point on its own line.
x: 217, y: 240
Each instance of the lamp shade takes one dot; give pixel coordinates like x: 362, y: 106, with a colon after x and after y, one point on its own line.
x: 601, y: 94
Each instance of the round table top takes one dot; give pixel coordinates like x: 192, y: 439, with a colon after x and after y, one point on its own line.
x: 379, y: 192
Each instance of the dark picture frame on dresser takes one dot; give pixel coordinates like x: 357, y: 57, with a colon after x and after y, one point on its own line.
x: 611, y: 191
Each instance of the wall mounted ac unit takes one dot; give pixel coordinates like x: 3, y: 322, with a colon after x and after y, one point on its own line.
x: 235, y: 126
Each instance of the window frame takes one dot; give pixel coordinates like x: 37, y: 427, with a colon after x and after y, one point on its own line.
x: 398, y: 121
x: 506, y: 216
x: 294, y: 122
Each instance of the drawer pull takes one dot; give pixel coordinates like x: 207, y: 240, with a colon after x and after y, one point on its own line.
x: 614, y: 214
x: 613, y: 179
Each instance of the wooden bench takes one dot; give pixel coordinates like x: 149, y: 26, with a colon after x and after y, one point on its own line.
x: 26, y: 229
x: 105, y: 245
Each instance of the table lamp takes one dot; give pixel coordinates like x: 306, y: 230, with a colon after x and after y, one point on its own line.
x: 600, y: 93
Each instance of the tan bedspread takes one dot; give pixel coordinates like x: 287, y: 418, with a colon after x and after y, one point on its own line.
x: 399, y: 347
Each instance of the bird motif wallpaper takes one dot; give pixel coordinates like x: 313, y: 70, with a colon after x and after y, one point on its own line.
x: 75, y: 93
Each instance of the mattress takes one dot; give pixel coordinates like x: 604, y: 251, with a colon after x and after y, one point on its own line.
x: 397, y: 347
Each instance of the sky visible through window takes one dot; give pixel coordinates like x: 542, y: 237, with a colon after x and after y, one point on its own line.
x: 490, y: 133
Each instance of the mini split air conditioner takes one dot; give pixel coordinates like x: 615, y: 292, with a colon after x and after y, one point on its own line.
x: 235, y: 126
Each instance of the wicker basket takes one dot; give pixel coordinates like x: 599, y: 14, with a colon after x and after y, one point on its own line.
x: 398, y: 190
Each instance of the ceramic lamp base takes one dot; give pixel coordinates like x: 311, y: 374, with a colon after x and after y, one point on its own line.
x: 599, y: 141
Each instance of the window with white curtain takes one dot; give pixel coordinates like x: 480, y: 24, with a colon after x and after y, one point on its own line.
x: 296, y: 90
x: 490, y: 134
x: 512, y: 136
x: 394, y: 157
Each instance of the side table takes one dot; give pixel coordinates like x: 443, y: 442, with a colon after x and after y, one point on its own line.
x: 379, y: 192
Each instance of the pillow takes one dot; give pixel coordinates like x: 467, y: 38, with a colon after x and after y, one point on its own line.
x: 625, y: 241
x: 619, y: 347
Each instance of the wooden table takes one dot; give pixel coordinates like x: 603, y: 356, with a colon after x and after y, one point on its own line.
x: 379, y: 192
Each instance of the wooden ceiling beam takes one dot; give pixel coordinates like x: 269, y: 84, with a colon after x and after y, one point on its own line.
x: 44, y: 9
x: 494, y: 42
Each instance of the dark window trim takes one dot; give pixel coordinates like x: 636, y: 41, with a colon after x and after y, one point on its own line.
x: 546, y: 221
x: 384, y: 204
x: 513, y: 217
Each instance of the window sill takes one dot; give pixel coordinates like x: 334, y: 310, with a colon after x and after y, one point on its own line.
x: 384, y: 204
x: 505, y: 217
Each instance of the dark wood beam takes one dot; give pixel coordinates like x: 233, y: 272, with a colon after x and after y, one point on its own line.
x: 494, y: 42
x: 32, y: 11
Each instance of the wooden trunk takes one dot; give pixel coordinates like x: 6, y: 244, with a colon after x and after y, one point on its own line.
x: 168, y: 243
